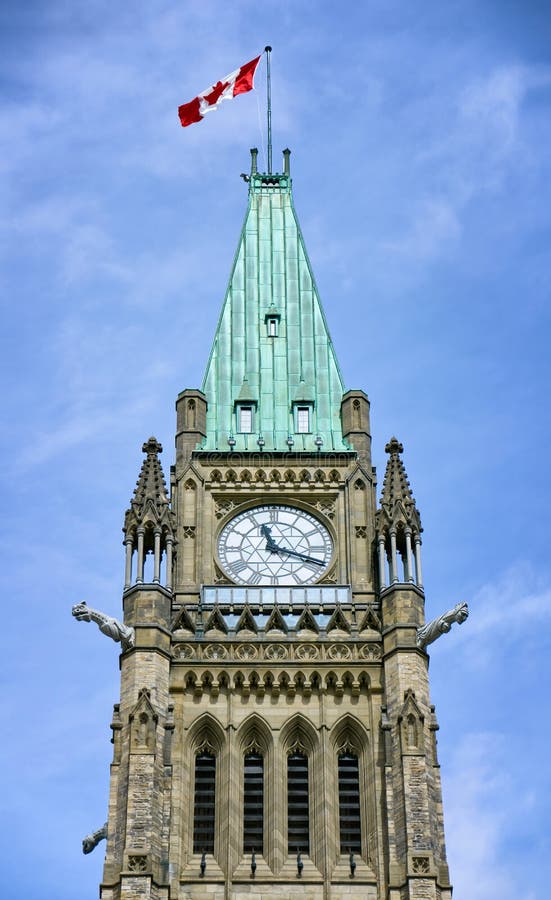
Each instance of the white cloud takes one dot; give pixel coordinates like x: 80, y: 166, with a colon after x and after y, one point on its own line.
x: 482, y: 803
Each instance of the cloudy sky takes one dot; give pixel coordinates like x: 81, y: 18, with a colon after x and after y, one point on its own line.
x: 420, y: 137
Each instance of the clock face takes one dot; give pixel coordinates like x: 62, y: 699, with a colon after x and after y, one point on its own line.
x: 275, y: 544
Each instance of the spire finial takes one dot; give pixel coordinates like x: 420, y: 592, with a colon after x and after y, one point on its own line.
x: 152, y: 447
x: 394, y: 446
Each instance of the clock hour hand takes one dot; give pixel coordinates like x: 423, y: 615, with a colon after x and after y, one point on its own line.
x: 270, y: 543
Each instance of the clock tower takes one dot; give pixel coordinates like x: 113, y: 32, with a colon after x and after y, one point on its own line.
x: 274, y: 735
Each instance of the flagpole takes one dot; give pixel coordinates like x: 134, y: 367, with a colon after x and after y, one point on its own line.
x: 269, y: 92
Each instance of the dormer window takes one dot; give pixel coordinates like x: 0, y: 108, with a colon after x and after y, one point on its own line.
x: 272, y: 318
x: 245, y: 418
x: 303, y: 417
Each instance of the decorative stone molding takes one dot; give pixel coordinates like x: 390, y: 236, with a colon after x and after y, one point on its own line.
x: 183, y: 651
x: 339, y: 651
x: 370, y: 651
x: 215, y: 651
x: 307, y: 651
x: 276, y: 651
x: 137, y: 863
x: 246, y: 651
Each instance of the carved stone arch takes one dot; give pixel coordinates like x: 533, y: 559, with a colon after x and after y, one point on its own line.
x: 319, y: 476
x: 315, y: 680
x: 189, y: 485
x: 190, y: 680
x: 334, y: 476
x: 359, y: 484
x: 349, y: 734
x: 275, y: 475
x: 305, y: 476
x: 411, y: 724
x: 216, y: 476
x: 231, y: 476
x: 260, y: 475
x: 246, y: 476
x: 364, y: 680
x: 298, y: 733
x: 224, y: 680
x: 238, y: 680
x: 143, y: 723
x: 254, y: 733
x: 206, y: 679
x: 206, y: 732
x: 289, y: 475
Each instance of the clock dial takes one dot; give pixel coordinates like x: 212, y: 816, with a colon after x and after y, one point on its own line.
x: 275, y: 544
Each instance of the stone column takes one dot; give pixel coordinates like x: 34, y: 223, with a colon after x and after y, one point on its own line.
x: 168, y: 574
x: 139, y: 573
x: 393, y: 560
x: 418, y: 569
x: 382, y: 561
x: 157, y: 557
x: 129, y: 545
x: 409, y: 559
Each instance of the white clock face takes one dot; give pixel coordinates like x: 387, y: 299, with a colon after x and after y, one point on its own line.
x: 275, y: 544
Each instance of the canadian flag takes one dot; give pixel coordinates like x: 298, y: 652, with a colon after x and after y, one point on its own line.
x: 238, y: 82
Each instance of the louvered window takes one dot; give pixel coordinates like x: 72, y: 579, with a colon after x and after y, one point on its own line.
x: 349, y: 803
x: 203, y: 813
x: 298, y: 825
x: 253, y: 803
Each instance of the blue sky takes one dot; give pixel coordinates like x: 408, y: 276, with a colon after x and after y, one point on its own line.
x: 420, y: 137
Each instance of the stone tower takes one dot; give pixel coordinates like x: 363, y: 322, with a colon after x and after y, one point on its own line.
x: 274, y: 736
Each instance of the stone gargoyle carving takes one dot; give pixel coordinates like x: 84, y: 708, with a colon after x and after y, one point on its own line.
x: 91, y: 841
x: 107, y: 624
x: 432, y: 630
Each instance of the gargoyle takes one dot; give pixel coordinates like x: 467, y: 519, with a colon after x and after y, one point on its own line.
x: 107, y: 625
x: 432, y: 630
x: 91, y: 841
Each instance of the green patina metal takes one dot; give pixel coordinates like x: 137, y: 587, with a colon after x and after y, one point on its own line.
x: 272, y: 349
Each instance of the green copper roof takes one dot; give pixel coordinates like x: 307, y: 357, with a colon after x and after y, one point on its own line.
x: 272, y: 280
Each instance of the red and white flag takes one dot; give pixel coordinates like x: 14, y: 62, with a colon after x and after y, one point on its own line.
x: 238, y: 82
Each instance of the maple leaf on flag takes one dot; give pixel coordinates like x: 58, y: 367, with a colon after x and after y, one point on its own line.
x: 238, y: 82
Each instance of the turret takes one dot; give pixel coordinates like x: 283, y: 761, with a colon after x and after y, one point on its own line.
x: 398, y: 526
x: 149, y: 524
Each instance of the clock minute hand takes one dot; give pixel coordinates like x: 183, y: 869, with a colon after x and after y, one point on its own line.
x: 275, y: 547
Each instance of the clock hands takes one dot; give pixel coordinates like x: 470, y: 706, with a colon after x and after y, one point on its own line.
x: 275, y: 548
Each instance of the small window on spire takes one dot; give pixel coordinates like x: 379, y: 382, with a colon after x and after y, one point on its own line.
x: 272, y: 324
x: 245, y: 419
x: 303, y: 417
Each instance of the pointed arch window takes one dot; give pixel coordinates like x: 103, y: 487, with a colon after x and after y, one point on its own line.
x: 298, y: 815
x: 349, y: 803
x: 204, y: 802
x: 253, y: 803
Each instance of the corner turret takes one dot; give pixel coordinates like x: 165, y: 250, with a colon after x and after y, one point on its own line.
x: 149, y: 524
x: 398, y: 525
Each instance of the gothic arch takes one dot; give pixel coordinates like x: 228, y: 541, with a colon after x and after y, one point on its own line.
x: 206, y: 730
x: 254, y: 729
x: 299, y: 731
x: 349, y: 729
